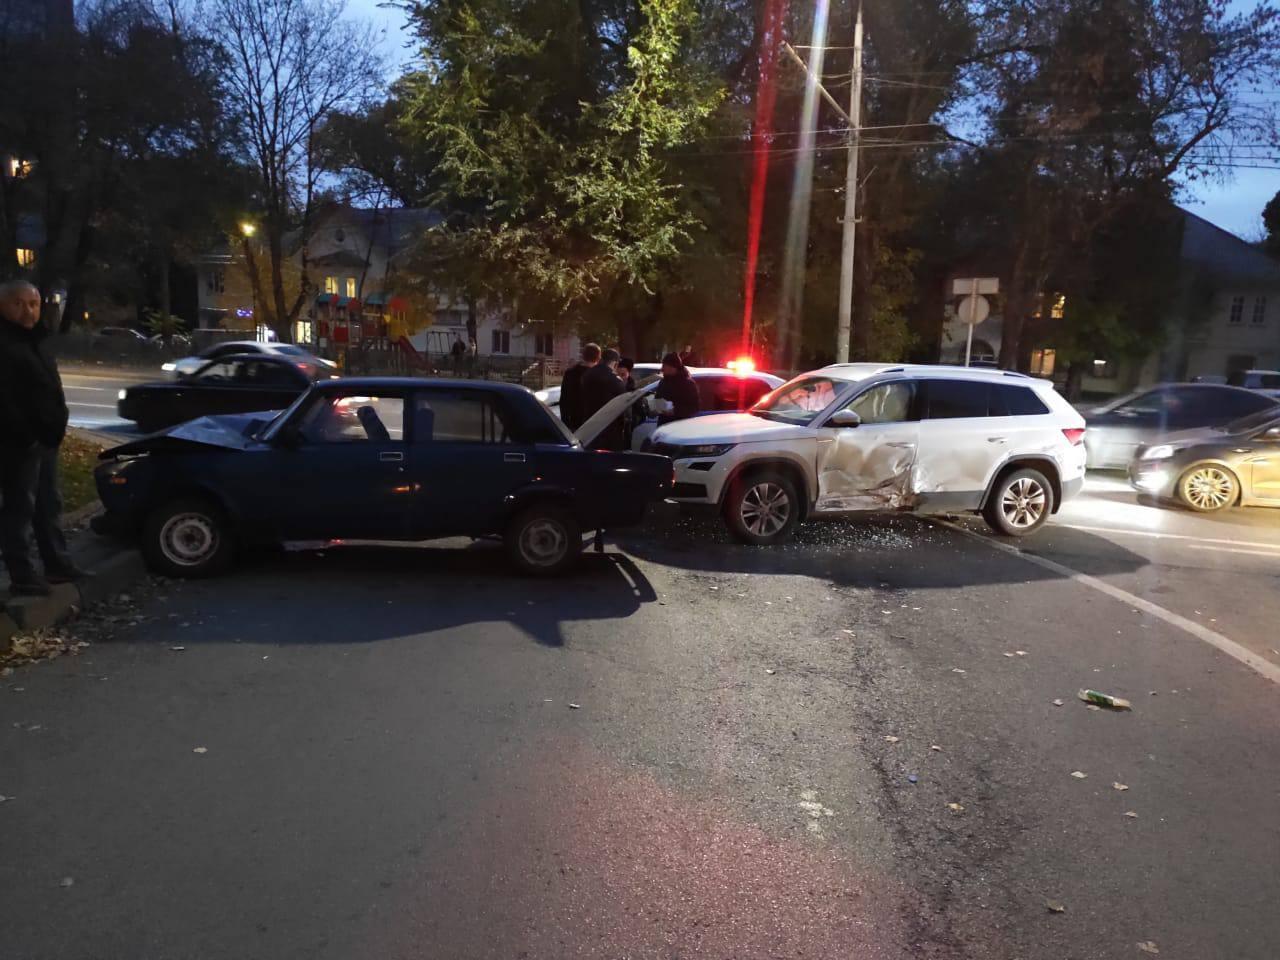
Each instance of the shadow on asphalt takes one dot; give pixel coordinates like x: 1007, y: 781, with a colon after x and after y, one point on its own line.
x: 359, y: 594
x: 870, y: 551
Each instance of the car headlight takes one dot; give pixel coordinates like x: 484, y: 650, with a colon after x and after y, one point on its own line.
x: 169, y: 367
x: 541, y: 395
x: 122, y: 394
x: 703, y: 450
x: 1161, y: 451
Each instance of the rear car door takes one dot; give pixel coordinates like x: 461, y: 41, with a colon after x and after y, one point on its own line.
x: 1264, y: 466
x: 468, y: 457
x: 960, y: 442
x: 347, y: 472
x: 870, y: 466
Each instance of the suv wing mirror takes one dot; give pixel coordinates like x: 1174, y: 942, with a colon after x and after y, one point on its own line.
x: 844, y: 418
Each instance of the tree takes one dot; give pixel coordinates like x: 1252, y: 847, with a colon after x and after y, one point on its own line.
x: 294, y: 64
x: 1271, y: 223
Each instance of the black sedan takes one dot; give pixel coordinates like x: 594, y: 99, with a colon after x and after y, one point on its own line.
x: 236, y: 384
x: 377, y: 459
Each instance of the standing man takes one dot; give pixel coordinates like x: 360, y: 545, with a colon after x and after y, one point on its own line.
x: 600, y: 384
x: 677, y: 390
x: 571, y: 387
x: 33, y: 421
x: 459, y: 354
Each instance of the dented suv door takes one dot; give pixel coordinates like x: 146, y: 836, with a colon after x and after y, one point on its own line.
x: 869, y: 467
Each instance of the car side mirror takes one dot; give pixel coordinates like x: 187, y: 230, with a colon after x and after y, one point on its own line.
x: 844, y: 418
x: 1272, y: 434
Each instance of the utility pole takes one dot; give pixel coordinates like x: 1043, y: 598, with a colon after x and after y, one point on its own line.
x: 849, y: 235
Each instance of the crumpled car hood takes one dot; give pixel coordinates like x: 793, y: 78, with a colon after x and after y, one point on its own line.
x: 228, y: 432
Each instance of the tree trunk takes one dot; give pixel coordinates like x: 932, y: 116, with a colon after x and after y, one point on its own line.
x: 473, y: 322
x: 1075, y: 380
x: 166, y: 299
x: 255, y: 278
x: 280, y: 311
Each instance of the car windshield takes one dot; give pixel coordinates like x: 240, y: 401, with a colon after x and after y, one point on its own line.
x: 799, y: 401
x: 290, y: 350
x: 1254, y: 421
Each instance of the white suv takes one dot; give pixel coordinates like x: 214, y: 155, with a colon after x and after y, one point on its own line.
x: 878, y: 437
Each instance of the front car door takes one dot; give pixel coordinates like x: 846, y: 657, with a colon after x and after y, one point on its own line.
x: 346, y: 469
x: 1264, y: 467
x: 961, y: 443
x: 468, y: 459
x: 870, y: 466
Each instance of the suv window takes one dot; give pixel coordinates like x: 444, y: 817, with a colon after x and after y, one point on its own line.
x: 1007, y: 400
x: 955, y: 399
x: 462, y: 416
x: 730, y: 393
x: 353, y: 419
x: 1232, y: 404
x: 886, y: 403
x: 801, y: 400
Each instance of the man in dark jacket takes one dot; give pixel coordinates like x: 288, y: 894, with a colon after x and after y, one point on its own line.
x: 678, y: 389
x: 33, y: 421
x: 571, y: 387
x: 600, y: 384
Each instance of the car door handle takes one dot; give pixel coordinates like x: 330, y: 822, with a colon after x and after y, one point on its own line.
x: 513, y: 458
x: 900, y: 444
x: 391, y: 456
x: 997, y: 439
x: 1243, y: 450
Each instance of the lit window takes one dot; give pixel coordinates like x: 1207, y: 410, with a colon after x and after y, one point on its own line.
x: 1259, y: 311
x: 351, y: 286
x: 502, y: 341
x: 26, y: 257
x: 1237, y: 309
x: 1059, y: 308
x: 1042, y: 362
x: 330, y: 284
x: 1104, y: 369
x: 17, y: 169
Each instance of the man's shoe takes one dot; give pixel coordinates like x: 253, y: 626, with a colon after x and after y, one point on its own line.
x: 34, y: 587
x: 67, y: 575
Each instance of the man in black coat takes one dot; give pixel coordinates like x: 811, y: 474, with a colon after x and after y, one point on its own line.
x: 600, y: 384
x: 678, y: 389
x: 571, y: 387
x: 33, y: 421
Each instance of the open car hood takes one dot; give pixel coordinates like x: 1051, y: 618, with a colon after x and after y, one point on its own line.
x: 228, y: 432
x: 610, y: 412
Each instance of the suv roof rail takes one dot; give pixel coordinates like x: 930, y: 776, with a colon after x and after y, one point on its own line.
x: 1015, y: 373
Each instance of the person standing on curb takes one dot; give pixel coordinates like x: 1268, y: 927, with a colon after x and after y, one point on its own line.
x: 571, y: 412
x: 33, y: 423
x: 600, y: 385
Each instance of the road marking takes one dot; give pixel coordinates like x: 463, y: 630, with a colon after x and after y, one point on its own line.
x: 1167, y: 536
x: 100, y: 406
x: 1228, y: 646
x: 72, y: 386
x: 1273, y: 553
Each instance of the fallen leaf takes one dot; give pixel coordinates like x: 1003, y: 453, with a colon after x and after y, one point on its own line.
x: 956, y: 670
x: 1092, y: 706
x: 1079, y: 775
x: 1131, y: 814
x: 849, y: 632
x: 1054, y: 906
x: 1119, y: 786
x: 955, y: 807
x: 890, y: 739
x: 1058, y: 703
x: 1021, y: 653
x: 771, y: 672
x: 200, y: 750
x: 1009, y: 655
x: 934, y: 746
x: 1149, y: 946
x: 574, y: 706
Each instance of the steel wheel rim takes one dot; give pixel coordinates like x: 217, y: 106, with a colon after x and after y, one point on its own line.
x: 1208, y: 488
x: 188, y: 539
x: 765, y: 509
x: 543, y: 542
x: 1023, y: 503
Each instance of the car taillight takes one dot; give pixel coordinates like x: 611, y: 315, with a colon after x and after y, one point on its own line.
x: 1074, y: 435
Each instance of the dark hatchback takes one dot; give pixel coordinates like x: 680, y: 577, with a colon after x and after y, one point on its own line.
x: 236, y: 384
x: 375, y: 459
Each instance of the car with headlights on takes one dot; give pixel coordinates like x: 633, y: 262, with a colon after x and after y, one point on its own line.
x: 186, y: 366
x: 1214, y: 468
x: 859, y: 437
x: 376, y: 458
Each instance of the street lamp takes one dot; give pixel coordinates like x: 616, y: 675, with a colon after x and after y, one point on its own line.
x: 247, y: 228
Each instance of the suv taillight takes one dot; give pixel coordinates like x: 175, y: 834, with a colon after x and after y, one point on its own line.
x: 1074, y: 435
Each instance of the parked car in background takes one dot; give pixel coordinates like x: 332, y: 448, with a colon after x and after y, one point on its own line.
x: 883, y: 437
x: 1216, y: 467
x: 1118, y: 428
x: 234, y: 384
x: 381, y: 459
x: 126, y: 335
x: 189, y: 365
x: 551, y: 395
x: 1264, y: 381
x: 720, y: 390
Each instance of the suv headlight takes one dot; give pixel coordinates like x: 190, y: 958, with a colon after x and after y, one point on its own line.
x: 1161, y: 451
x: 703, y: 450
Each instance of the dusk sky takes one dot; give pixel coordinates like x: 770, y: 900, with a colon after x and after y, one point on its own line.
x: 1235, y: 205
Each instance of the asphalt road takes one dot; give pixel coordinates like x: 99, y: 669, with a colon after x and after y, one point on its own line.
x: 686, y: 749
x: 92, y: 393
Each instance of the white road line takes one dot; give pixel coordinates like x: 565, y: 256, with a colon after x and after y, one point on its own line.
x: 1165, y: 536
x: 1228, y: 646
x: 100, y: 406
x: 72, y: 386
x: 1273, y: 553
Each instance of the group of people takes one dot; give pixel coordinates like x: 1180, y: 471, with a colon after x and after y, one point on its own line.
x: 604, y: 374
x: 33, y: 423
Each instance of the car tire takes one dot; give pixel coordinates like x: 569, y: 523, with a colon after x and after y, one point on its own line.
x: 544, y: 540
x: 1019, y: 504
x: 762, y: 509
x: 1207, y: 488
x: 188, y: 538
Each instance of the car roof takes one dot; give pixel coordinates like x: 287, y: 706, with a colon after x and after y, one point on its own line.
x: 862, y: 371
x: 414, y: 383
x: 256, y: 357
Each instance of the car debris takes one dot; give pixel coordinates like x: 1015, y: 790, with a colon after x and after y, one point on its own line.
x: 1104, y: 700
x: 1079, y: 774
x: 1119, y: 786
x: 1148, y: 946
x: 1053, y: 906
